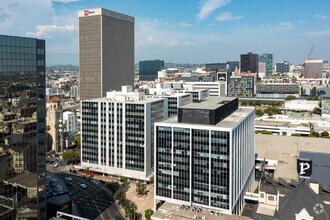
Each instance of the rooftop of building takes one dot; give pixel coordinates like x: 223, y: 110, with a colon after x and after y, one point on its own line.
x: 210, y: 104
x: 229, y: 122
x: 143, y: 101
x: 57, y: 191
x: 286, y: 124
x: 26, y: 179
x: 106, y: 12
x: 170, y: 211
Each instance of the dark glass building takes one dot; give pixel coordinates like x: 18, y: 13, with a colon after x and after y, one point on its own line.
x: 148, y: 69
x: 249, y: 63
x: 22, y: 128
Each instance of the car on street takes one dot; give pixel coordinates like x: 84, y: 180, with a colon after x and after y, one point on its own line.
x: 83, y: 186
x: 56, y: 165
x: 68, y: 178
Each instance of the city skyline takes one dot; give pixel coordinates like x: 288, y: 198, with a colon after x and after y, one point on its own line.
x: 182, y: 32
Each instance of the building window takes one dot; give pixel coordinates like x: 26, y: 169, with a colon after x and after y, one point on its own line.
x: 271, y: 198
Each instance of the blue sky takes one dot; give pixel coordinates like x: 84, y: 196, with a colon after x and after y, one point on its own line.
x: 183, y: 31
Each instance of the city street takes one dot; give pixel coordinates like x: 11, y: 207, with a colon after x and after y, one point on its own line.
x: 94, y: 201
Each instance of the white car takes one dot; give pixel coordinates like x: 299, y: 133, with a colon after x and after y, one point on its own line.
x: 83, y: 186
x: 68, y: 179
x: 56, y: 165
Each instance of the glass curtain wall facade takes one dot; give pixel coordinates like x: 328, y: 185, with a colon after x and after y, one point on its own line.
x: 267, y: 58
x: 22, y: 128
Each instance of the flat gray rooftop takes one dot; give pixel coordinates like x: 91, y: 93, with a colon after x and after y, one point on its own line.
x: 143, y: 101
x: 228, y: 122
x: 211, y: 103
x: 285, y: 149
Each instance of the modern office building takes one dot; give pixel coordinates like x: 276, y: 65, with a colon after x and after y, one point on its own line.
x: 106, y: 52
x: 218, y: 67
x: 249, y: 63
x: 283, y: 67
x: 148, y: 69
x: 241, y: 86
x: 232, y: 65
x: 71, y: 122
x: 22, y: 128
x: 117, y: 133
x: 267, y: 58
x: 313, y: 68
x: 204, y: 157
x: 216, y: 88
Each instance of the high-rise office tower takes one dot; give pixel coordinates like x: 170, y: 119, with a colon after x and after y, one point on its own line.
x: 267, y: 58
x: 22, y: 128
x: 106, y: 52
x: 148, y: 69
x: 283, y: 67
x: 249, y: 63
x: 204, y: 156
x: 117, y: 133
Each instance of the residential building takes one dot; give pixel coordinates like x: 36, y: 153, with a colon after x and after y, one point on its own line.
x: 74, y: 92
x: 22, y: 128
x: 240, y: 86
x: 283, y: 67
x: 117, y: 133
x: 267, y: 58
x: 313, y: 68
x: 204, y: 156
x: 249, y: 63
x: 277, y: 90
x: 148, y: 69
x: 106, y: 52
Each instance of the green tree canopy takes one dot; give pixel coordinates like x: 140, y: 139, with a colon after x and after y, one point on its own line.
x: 148, y: 213
x: 259, y: 113
x: 70, y: 155
x: 120, y: 196
x: 140, y: 188
x: 290, y: 97
x: 77, y: 141
x: 324, y: 134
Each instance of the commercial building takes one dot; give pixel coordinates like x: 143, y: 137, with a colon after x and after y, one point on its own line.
x: 240, y: 86
x: 117, y: 133
x: 217, y: 67
x: 313, y: 68
x: 106, y: 52
x: 232, y: 65
x: 283, y: 67
x: 267, y: 58
x: 53, y: 121
x: 71, y: 122
x: 277, y: 87
x: 148, y: 69
x: 204, y: 157
x: 325, y: 106
x: 216, y: 88
x: 22, y: 128
x: 74, y: 92
x: 249, y: 63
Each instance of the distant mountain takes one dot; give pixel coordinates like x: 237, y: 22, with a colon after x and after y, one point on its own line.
x: 67, y: 67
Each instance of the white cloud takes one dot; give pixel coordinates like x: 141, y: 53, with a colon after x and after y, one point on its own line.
x: 285, y: 25
x: 65, y: 1
x: 227, y: 16
x: 185, y: 24
x: 44, y: 30
x: 319, y: 33
x: 319, y: 16
x: 208, y: 6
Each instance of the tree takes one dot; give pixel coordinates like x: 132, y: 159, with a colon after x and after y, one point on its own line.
x: 140, y: 188
x: 123, y: 179
x: 315, y: 133
x: 120, y: 196
x: 324, y: 134
x: 77, y: 141
x: 259, y: 113
x: 152, y: 179
x: 295, y: 134
x: 130, y: 210
x: 148, y: 213
x: 48, y: 128
x: 56, y: 126
x: 290, y: 97
x: 70, y: 155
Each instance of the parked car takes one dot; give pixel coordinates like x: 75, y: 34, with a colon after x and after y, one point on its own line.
x: 56, y: 165
x: 83, y: 186
x: 68, y: 179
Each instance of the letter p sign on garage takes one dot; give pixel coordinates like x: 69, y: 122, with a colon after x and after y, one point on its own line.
x: 304, y: 167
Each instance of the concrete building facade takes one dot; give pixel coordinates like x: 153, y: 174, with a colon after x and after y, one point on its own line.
x: 117, y: 133
x: 106, y: 51
x: 204, y: 157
